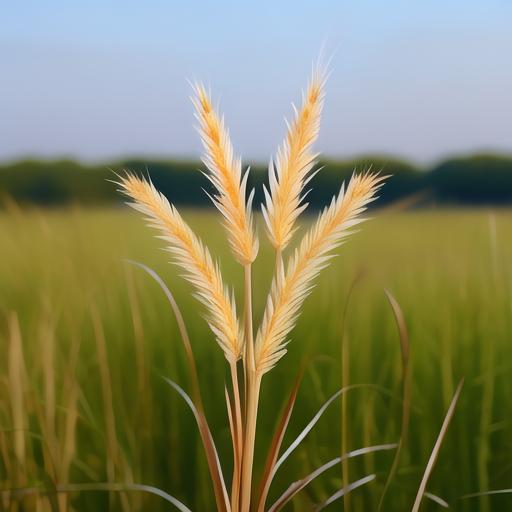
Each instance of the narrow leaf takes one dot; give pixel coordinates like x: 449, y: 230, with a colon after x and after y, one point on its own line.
x: 182, y: 328
x: 437, y: 447
x: 212, y: 458
x: 209, y: 447
x: 345, y: 490
x: 345, y: 375
x: 486, y: 493
x: 436, y: 499
x: 235, y: 484
x: 109, y: 487
x: 406, y: 390
x: 300, y: 484
x: 309, y: 427
x: 277, y: 440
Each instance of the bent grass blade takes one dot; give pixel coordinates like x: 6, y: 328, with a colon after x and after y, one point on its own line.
x: 435, y: 452
x: 406, y: 390
x: 337, y: 495
x: 108, y: 487
x: 219, y: 485
x: 209, y: 446
x: 300, y: 484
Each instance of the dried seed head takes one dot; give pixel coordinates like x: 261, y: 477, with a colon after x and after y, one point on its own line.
x: 292, y: 167
x: 290, y: 288
x: 225, y: 173
x: 193, y: 257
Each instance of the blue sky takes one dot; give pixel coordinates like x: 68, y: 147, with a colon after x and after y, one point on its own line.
x: 97, y: 80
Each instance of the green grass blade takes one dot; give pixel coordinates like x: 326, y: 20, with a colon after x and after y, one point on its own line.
x: 345, y: 375
x: 108, y: 487
x: 192, y: 368
x: 436, y: 499
x: 277, y: 440
x: 437, y: 447
x: 406, y: 390
x: 221, y: 495
x: 349, y: 488
x: 308, y: 428
x: 300, y: 484
x: 212, y: 456
x: 314, y: 421
x: 486, y: 493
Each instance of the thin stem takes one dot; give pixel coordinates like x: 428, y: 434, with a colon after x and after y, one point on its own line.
x: 249, y: 342
x: 238, y: 408
x: 253, y: 379
x: 344, y: 411
x: 279, y: 260
x: 238, y: 441
x: 250, y: 437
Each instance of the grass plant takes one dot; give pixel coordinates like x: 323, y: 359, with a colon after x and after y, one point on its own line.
x: 290, y: 285
x: 87, y: 422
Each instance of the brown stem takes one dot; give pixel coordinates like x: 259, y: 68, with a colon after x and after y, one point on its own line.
x: 238, y: 441
x: 279, y: 261
x: 253, y: 380
x: 249, y: 441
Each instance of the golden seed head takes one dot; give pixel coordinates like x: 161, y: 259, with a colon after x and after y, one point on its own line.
x: 193, y: 257
x: 225, y: 173
x: 291, y: 287
x: 292, y: 167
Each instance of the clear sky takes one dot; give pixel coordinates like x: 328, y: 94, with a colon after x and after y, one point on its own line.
x: 100, y: 79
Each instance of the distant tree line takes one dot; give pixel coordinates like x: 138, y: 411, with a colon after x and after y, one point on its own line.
x: 479, y: 179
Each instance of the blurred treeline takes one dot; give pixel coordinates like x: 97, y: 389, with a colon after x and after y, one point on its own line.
x: 478, y: 179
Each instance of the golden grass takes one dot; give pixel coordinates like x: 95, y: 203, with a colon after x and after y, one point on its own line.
x: 57, y: 424
x: 451, y: 275
x: 194, y: 258
x: 290, y: 286
x: 225, y: 173
x: 17, y: 389
x: 293, y: 164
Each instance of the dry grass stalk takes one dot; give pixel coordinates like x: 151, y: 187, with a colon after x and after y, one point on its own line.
x: 69, y: 424
x: 437, y: 446
x: 115, y: 458
x: 225, y: 173
x: 46, y: 423
x: 17, y: 386
x: 293, y: 164
x: 291, y: 285
x: 193, y: 257
x: 47, y: 341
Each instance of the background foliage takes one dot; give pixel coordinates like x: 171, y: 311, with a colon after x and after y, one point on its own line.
x: 479, y: 179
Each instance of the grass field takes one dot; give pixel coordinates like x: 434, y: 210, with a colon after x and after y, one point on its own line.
x: 97, y: 335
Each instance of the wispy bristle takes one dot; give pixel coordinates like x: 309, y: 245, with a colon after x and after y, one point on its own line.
x: 225, y: 173
x: 192, y: 256
x: 290, y: 288
x: 292, y: 166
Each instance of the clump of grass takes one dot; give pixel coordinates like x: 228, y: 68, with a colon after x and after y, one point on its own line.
x: 42, y: 440
x: 56, y: 425
x: 291, y: 284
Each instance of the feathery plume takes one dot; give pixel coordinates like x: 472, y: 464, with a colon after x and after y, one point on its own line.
x: 290, y: 288
x: 225, y: 173
x: 193, y: 257
x: 294, y: 161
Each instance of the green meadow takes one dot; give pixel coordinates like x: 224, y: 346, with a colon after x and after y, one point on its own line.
x: 86, y: 339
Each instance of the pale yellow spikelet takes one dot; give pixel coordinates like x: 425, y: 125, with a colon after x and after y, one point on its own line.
x: 225, y: 173
x: 290, y: 288
x: 193, y: 257
x: 293, y: 165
